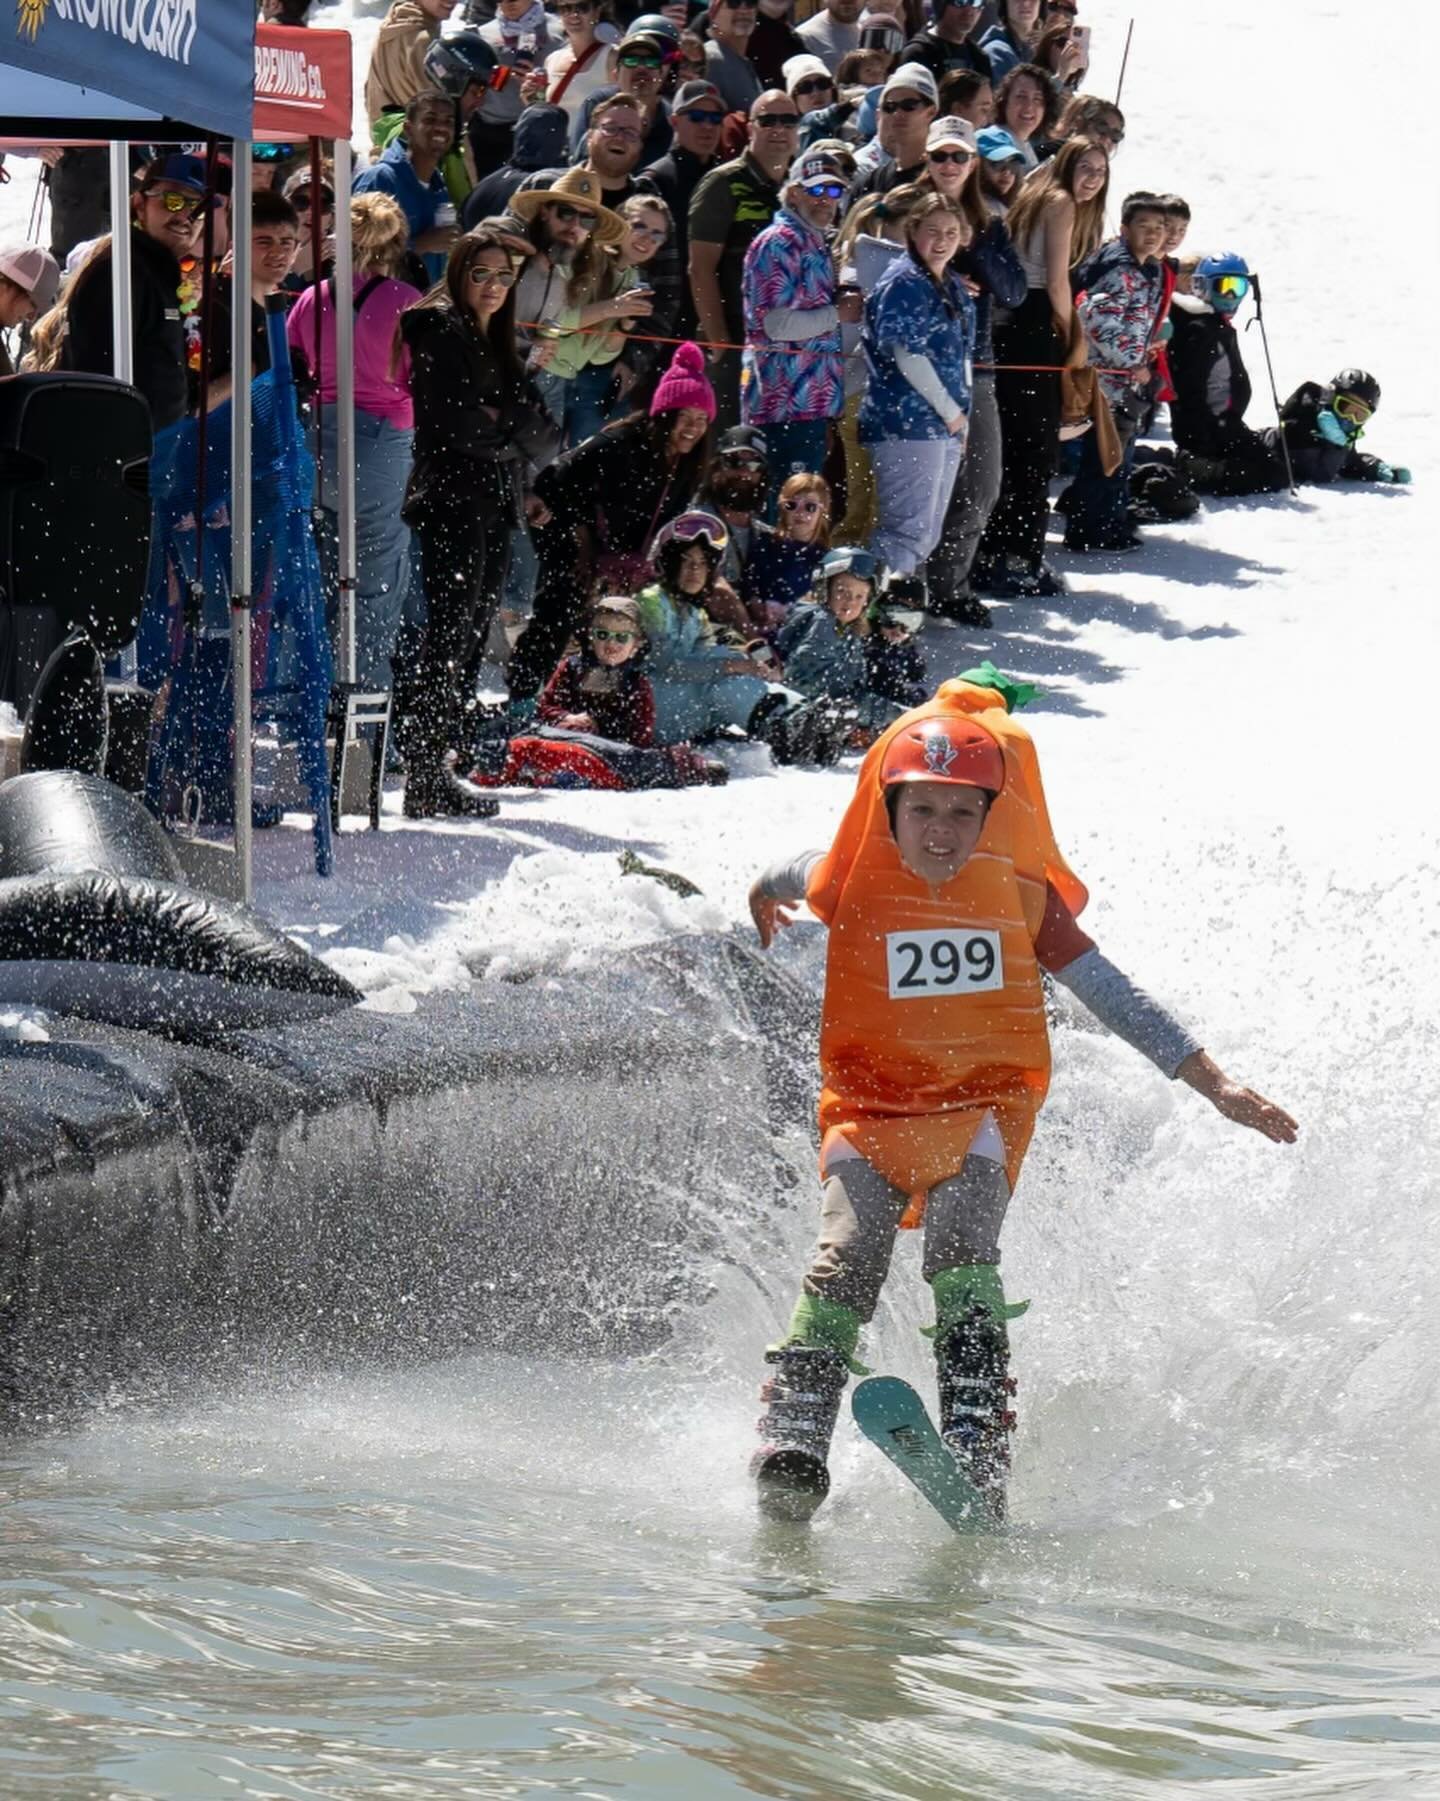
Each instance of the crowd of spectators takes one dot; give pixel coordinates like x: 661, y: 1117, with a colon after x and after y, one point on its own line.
x: 764, y: 337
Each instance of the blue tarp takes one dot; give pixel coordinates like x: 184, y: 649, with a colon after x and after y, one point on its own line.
x: 192, y: 60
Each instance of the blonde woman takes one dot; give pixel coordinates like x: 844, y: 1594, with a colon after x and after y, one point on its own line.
x: 1055, y: 224
x: 384, y: 420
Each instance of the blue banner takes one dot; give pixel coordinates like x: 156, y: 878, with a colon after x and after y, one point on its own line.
x: 192, y: 60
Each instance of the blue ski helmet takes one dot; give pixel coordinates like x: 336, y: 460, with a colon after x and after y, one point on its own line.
x: 1223, y: 281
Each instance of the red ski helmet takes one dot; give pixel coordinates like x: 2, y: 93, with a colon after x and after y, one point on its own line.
x: 944, y: 750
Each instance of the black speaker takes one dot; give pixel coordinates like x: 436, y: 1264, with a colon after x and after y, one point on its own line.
x: 74, y: 519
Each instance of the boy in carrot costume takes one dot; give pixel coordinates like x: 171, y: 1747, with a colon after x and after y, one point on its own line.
x: 945, y: 896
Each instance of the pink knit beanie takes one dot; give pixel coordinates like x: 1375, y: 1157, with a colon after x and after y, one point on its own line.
x: 684, y: 384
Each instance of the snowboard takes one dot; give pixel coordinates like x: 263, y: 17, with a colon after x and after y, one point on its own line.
x: 893, y: 1417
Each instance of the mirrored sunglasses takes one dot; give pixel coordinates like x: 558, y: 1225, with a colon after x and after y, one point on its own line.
x: 639, y: 59
x: 176, y: 203
x: 826, y: 190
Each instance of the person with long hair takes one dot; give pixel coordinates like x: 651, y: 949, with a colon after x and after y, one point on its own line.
x: 990, y: 268
x: 1014, y: 36
x: 919, y: 336
x: 1056, y: 223
x: 608, y: 497
x: 479, y: 431
x: 1027, y: 105
x: 782, y: 566
x: 384, y: 421
x: 1061, y: 53
x: 580, y: 68
x: 1085, y: 116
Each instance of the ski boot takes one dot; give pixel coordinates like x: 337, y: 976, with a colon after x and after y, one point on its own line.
x: 802, y: 1400
x: 972, y: 1362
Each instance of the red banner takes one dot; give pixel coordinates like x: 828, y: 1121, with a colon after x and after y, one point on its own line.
x: 302, y: 83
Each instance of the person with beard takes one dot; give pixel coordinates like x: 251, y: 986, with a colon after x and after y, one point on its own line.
x: 731, y: 207
x: 735, y: 493
x: 637, y: 70
x: 612, y: 150
x: 696, y: 117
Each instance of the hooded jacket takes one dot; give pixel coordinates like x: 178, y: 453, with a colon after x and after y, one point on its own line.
x: 910, y: 1071
x: 1212, y: 385
x: 540, y: 137
x: 397, y: 63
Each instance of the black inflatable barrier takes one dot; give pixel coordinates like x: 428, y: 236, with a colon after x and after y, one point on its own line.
x: 88, y: 878
x: 562, y: 1165
x: 67, y: 724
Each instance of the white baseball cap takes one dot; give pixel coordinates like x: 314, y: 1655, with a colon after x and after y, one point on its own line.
x: 951, y: 131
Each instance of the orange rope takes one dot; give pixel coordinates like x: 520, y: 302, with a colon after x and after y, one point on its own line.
x: 640, y: 337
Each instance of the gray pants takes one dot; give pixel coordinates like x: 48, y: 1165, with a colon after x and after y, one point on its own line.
x: 914, y: 479
x: 860, y: 1214
x: 977, y: 488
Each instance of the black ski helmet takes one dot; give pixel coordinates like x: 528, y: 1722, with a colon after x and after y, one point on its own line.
x: 1359, y: 385
x: 456, y: 60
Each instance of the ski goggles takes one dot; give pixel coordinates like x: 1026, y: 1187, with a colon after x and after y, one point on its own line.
x: 854, y: 562
x: 691, y: 528
x: 1231, y: 287
x: 1352, y: 411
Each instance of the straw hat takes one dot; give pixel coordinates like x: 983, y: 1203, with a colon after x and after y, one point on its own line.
x: 579, y: 188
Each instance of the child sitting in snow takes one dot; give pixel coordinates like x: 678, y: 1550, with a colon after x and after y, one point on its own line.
x: 896, y: 662
x: 1322, y: 427
x: 1219, y: 452
x: 822, y: 643
x: 601, y: 688
x: 595, y: 721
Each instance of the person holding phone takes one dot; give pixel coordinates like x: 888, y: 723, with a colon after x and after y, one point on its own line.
x: 523, y: 36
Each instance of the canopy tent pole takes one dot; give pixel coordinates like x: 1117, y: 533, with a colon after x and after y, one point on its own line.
x: 240, y: 559
x: 120, y: 260
x: 345, y: 406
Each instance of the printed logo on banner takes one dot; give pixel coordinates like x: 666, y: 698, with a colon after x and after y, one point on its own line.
x: 165, y: 27
x: 288, y: 75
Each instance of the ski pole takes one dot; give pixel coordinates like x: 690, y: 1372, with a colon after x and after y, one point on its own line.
x: 1259, y: 320
x: 1124, y: 63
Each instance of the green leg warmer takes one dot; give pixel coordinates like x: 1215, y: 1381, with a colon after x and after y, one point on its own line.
x: 827, y: 1324
x: 959, y: 1291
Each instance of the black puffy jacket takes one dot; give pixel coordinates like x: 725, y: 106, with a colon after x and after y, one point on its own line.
x: 1212, y: 385
x: 1313, y: 458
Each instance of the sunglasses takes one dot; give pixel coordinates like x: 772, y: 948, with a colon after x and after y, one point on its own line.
x: 1234, y: 287
x: 599, y: 634
x: 504, y: 278
x: 912, y: 105
x: 817, y: 84
x: 301, y: 201
x: 826, y: 190
x: 1114, y: 138
x: 801, y: 506
x: 950, y: 156
x: 743, y: 459
x: 778, y: 121
x: 569, y: 215
x: 631, y: 60
x: 1352, y: 411
x: 177, y: 203
x: 705, y: 118
x: 655, y: 233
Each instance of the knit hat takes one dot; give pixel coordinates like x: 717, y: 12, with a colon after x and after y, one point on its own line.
x: 34, y: 270
x: 684, y: 384
x: 804, y: 67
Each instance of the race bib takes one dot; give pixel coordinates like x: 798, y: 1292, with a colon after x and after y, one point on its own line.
x: 963, y: 961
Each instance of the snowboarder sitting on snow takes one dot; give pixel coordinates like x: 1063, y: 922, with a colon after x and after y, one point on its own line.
x: 1219, y: 453
x: 896, y: 662
x: 1323, y: 425
x: 822, y: 644
x: 945, y: 897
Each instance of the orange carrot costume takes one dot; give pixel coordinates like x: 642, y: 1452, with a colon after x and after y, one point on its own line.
x: 933, y: 1013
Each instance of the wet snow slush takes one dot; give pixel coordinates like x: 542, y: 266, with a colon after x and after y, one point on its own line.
x: 512, y: 1576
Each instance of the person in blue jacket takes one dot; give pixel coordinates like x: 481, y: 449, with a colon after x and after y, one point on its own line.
x: 918, y: 336
x: 410, y: 171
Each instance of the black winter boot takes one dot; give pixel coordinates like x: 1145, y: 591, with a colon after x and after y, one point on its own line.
x: 972, y: 1363
x: 802, y: 1401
